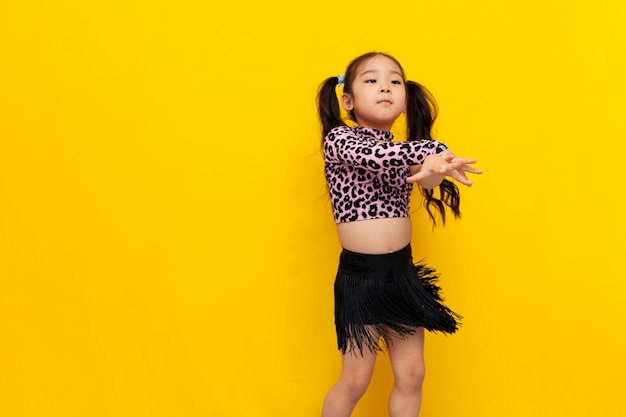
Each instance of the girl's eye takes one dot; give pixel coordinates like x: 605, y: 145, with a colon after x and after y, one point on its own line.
x: 371, y: 81
x: 396, y: 82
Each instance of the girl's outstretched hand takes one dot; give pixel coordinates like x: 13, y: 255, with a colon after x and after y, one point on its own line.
x: 436, y: 167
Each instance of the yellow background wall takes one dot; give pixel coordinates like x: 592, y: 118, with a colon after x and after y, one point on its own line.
x: 166, y: 246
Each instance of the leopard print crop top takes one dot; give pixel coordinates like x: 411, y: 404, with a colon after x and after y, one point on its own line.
x: 366, y: 172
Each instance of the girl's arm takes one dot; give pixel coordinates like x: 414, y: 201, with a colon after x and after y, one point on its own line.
x: 342, y: 145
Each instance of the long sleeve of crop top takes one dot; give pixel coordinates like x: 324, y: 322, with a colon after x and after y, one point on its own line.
x: 373, y: 150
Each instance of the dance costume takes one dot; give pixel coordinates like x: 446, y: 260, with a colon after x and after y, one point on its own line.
x: 379, y: 296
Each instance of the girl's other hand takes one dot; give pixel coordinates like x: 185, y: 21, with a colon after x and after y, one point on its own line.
x: 436, y: 167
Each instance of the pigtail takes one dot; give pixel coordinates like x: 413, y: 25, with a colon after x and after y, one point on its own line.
x: 421, y: 113
x: 328, y: 106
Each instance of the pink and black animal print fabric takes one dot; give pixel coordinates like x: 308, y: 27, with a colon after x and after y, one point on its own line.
x: 366, y: 172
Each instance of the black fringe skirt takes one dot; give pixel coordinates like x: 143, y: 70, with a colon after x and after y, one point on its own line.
x: 379, y: 296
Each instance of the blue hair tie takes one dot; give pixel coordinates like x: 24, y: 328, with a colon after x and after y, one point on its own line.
x: 341, y: 79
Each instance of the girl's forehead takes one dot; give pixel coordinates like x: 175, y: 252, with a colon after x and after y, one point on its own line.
x: 377, y: 63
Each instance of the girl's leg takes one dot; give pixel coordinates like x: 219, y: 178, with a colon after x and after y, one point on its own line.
x: 407, y: 363
x: 356, y: 372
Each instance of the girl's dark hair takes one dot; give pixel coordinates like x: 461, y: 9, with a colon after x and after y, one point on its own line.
x: 421, y: 112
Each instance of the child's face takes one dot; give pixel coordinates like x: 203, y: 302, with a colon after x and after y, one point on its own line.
x: 378, y: 93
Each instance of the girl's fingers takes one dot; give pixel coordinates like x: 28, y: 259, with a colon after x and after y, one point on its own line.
x: 416, y: 177
x: 461, y: 164
x: 452, y: 166
x: 462, y: 179
x: 473, y: 170
x: 466, y: 160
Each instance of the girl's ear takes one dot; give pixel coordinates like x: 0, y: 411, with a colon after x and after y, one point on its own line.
x: 346, y: 102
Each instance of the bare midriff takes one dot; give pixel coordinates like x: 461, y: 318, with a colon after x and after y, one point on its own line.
x: 377, y: 236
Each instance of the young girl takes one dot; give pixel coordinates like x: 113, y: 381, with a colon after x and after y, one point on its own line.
x: 380, y: 295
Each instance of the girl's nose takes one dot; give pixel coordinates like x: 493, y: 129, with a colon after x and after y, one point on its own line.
x: 385, y: 90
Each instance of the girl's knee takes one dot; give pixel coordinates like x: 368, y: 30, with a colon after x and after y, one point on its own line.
x: 411, y: 377
x: 356, y: 384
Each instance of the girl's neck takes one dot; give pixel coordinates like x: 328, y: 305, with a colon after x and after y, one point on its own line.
x: 378, y: 127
